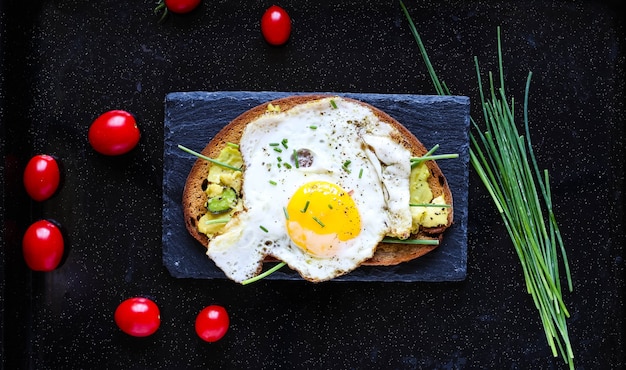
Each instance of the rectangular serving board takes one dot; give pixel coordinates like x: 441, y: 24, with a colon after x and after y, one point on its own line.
x: 193, y: 118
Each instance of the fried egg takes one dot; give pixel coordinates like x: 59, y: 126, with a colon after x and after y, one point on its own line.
x: 323, y: 183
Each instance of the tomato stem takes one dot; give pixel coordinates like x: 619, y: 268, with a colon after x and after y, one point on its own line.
x: 161, y: 7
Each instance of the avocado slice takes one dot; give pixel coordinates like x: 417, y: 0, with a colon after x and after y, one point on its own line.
x: 223, y: 202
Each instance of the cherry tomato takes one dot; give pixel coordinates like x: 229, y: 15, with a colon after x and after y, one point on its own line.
x: 175, y: 6
x: 43, y: 246
x: 181, y: 6
x: 114, y: 132
x: 276, y: 25
x: 212, y: 323
x: 138, y: 316
x: 41, y: 177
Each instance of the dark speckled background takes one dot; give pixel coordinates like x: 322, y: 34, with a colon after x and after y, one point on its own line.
x: 66, y: 61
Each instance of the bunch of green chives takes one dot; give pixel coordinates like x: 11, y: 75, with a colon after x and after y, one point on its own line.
x: 505, y: 162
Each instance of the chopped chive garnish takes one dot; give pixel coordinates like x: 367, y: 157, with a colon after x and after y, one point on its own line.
x: 345, y: 165
x: 306, y: 206
x: 313, y: 127
x: 217, y: 221
x: 279, y: 159
x: 278, y: 150
x: 185, y: 149
x: 284, y: 142
x: 360, y: 173
x: 330, y: 206
x: 286, y: 213
x: 295, y: 158
x: 287, y: 166
x: 333, y: 104
x: 274, y: 144
x: 272, y: 182
x: 411, y: 241
x: 429, y: 205
x: 263, y: 228
x: 318, y: 221
x: 232, y: 145
x: 266, y: 273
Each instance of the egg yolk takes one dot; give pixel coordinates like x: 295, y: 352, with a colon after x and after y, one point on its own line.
x: 320, y: 215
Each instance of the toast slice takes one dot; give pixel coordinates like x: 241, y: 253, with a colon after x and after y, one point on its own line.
x: 194, y: 196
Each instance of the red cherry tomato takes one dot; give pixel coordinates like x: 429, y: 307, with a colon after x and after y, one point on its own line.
x: 212, y: 323
x: 138, y: 316
x: 114, y: 132
x: 41, y: 177
x: 276, y: 25
x: 43, y: 246
x: 181, y: 6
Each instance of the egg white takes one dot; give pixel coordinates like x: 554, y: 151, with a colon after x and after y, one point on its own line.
x: 334, y: 132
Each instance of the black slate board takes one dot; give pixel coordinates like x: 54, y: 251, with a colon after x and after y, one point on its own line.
x: 193, y: 118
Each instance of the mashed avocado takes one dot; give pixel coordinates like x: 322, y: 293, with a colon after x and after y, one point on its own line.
x: 223, y: 189
x: 426, y: 216
x: 271, y: 108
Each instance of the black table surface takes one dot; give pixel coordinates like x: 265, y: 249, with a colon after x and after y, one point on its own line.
x: 64, y: 62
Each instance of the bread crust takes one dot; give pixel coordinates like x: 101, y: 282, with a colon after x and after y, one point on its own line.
x: 194, y: 197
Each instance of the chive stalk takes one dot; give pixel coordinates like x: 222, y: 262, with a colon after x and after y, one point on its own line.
x: 217, y: 221
x: 431, y: 151
x: 417, y: 160
x: 429, y: 205
x: 411, y: 241
x: 201, y: 156
x: 505, y: 162
x: 264, y: 274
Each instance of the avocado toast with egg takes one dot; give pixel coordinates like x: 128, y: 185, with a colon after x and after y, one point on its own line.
x: 215, y: 197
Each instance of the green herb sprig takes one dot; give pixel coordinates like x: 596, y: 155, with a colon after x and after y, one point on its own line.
x: 410, y: 241
x: 417, y: 160
x: 505, y: 162
x: 264, y: 274
x: 185, y: 149
x: 429, y: 156
x: 217, y: 221
x: 433, y: 205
